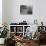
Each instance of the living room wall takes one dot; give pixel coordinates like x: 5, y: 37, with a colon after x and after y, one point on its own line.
x: 11, y: 11
x: 0, y: 13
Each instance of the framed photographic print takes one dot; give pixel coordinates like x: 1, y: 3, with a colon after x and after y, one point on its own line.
x: 25, y: 9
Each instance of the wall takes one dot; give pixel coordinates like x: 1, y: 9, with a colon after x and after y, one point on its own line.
x: 16, y: 11
x: 4, y: 11
x: 12, y: 11
x: 0, y: 13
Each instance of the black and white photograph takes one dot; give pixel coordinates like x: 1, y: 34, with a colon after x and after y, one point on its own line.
x: 24, y: 9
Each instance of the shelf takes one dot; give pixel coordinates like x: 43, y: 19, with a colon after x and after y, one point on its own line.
x: 16, y: 32
x: 19, y: 32
x: 12, y: 32
x: 19, y: 25
x: 22, y: 28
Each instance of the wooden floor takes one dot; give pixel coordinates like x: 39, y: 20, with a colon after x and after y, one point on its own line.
x: 32, y: 45
x: 42, y: 45
x: 1, y: 45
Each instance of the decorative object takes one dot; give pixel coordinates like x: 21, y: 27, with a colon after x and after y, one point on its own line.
x: 25, y: 9
x: 35, y: 21
x: 28, y: 33
x: 3, y: 34
x: 2, y: 40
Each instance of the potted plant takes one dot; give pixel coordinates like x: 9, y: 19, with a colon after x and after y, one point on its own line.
x: 3, y: 34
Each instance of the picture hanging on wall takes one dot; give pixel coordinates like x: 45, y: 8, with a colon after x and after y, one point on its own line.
x: 25, y: 9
